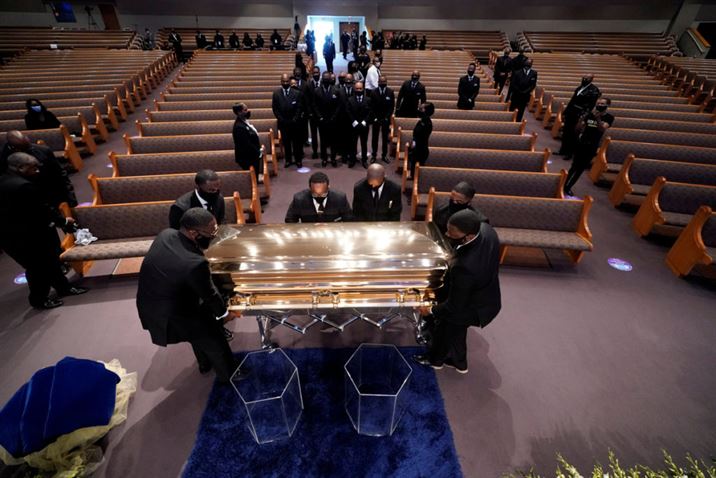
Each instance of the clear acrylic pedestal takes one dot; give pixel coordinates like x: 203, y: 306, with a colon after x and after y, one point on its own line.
x: 271, y: 394
x: 376, y: 377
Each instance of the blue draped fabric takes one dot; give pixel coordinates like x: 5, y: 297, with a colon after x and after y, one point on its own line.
x: 73, y: 394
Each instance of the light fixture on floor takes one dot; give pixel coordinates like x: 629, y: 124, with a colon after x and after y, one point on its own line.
x: 20, y: 279
x: 620, y: 264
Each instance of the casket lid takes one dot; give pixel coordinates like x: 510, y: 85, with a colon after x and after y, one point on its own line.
x: 328, y: 247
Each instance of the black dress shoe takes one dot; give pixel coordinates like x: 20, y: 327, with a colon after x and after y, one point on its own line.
x: 48, y: 304
x: 569, y: 193
x: 73, y: 291
x: 364, y: 163
x: 460, y: 368
x: 385, y: 160
x: 425, y: 360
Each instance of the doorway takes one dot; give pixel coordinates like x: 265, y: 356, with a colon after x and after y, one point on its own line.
x: 323, y: 26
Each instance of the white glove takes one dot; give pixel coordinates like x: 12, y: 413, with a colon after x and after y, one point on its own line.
x: 363, y: 123
x: 355, y: 123
x: 412, y: 145
x: 84, y: 237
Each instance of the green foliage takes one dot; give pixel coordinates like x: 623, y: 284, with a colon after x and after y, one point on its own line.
x: 692, y: 469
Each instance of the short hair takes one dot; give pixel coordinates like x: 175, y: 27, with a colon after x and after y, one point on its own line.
x: 465, y: 188
x: 467, y: 221
x: 15, y: 160
x: 429, y: 108
x: 238, y: 108
x: 204, y: 176
x: 318, y: 178
x: 472, y: 63
x: 195, y: 217
x: 608, y: 100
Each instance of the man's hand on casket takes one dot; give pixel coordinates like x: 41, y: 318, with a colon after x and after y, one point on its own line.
x: 231, y: 316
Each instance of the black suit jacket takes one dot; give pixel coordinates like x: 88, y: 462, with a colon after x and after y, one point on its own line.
x: 473, y: 286
x: 176, y: 298
x: 302, y: 208
x: 518, y: 62
x: 359, y: 111
x: 502, y: 67
x: 288, y: 110
x: 584, y: 102
x: 219, y: 41
x: 442, y: 213
x: 247, y: 146
x: 326, y: 104
x: 467, y: 90
x: 409, y: 98
x: 29, y: 221
x: 234, y: 40
x: 389, y: 204
x: 383, y: 104
x: 522, y: 83
x: 189, y: 200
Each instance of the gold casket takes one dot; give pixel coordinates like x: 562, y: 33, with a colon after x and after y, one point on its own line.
x: 274, y: 270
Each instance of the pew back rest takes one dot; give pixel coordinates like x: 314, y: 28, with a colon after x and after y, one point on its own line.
x: 485, y: 181
x: 684, y: 198
x: 180, y: 143
x: 664, y: 137
x: 708, y: 232
x: 173, y: 163
x: 505, y: 160
x: 162, y: 188
x: 617, y: 152
x: 560, y: 215
x: 53, y: 138
x: 465, y: 126
x: 206, y: 115
x: 475, y: 140
x: 126, y: 221
x: 645, y: 172
x: 198, y: 127
x: 474, y: 115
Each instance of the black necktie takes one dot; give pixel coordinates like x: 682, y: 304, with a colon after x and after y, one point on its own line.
x: 376, y: 197
x: 285, y: 93
x: 320, y: 201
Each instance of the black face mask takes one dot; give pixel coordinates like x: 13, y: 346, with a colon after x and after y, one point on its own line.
x: 422, y: 114
x: 340, y: 80
x: 416, y: 78
x: 586, y: 81
x: 601, y: 108
x: 470, y: 72
x: 326, y: 82
x: 316, y: 77
x: 209, y: 197
x: 456, y: 242
x: 456, y: 206
x: 203, y: 242
x: 246, y: 115
x: 382, y: 85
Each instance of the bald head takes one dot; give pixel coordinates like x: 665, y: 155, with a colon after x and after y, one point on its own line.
x: 375, y: 175
x: 416, y: 75
x: 18, y: 141
x: 285, y: 81
x: 23, y: 164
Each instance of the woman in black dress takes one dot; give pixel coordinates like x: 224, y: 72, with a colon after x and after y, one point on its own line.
x: 38, y: 117
x: 419, y: 151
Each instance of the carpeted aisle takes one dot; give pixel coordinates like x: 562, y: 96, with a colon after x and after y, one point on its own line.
x: 324, y: 443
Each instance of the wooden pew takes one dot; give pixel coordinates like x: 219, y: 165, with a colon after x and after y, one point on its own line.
x: 696, y: 243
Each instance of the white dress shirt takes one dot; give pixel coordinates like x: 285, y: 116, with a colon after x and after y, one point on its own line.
x: 372, y: 77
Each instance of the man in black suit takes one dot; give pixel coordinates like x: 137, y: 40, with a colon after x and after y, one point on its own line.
x: 376, y: 198
x: 471, y: 295
x: 287, y: 106
x: 468, y: 88
x: 412, y: 93
x: 311, y: 85
x: 502, y: 70
x: 329, y: 53
x: 345, y: 130
x: 207, y: 195
x: 521, y: 85
x: 318, y: 203
x: 234, y: 40
x: 201, y: 41
x: 360, y: 115
x: 517, y: 63
x: 276, y: 41
x: 176, y: 298
x: 175, y: 41
x: 30, y: 237
x: 326, y: 108
x: 460, y: 198
x: 583, y: 99
x: 219, y: 40
x: 52, y: 180
x: 248, y: 150
x: 383, y: 102
x: 345, y: 38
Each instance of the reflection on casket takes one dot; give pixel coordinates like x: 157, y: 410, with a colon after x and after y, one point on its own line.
x: 329, y: 265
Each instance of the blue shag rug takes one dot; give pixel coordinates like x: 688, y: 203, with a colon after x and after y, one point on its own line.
x: 325, y: 443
